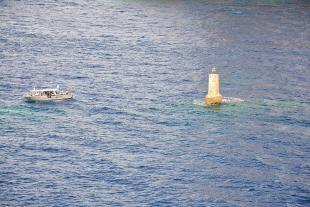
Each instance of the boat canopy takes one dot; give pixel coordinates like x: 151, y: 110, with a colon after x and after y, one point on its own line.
x: 46, y: 89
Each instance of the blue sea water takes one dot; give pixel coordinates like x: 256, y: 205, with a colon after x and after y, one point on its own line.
x: 136, y: 133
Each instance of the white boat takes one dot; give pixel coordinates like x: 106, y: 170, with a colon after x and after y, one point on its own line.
x: 48, y: 94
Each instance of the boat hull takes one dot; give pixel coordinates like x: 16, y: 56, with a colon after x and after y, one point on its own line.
x: 52, y: 98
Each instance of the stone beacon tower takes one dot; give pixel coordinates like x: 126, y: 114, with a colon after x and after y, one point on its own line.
x: 214, y: 97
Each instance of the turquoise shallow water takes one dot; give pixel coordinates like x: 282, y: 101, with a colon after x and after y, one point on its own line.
x: 137, y: 132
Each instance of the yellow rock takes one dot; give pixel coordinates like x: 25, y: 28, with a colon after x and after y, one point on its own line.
x: 214, y: 97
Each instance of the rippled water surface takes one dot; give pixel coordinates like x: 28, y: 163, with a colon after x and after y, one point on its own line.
x: 137, y: 132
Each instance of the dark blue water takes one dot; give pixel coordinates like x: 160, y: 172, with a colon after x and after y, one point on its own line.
x: 136, y: 133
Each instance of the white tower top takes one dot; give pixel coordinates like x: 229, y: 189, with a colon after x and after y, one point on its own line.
x: 213, y: 70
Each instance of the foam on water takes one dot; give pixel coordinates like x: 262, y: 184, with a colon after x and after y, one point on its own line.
x: 226, y: 100
x: 199, y: 102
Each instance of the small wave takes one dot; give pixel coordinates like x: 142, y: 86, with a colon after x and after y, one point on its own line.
x: 232, y: 100
x: 199, y: 102
x: 226, y: 100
